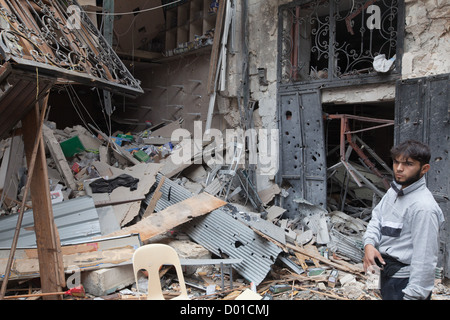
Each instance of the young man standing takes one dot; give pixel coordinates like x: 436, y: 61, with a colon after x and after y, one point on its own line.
x: 402, y: 236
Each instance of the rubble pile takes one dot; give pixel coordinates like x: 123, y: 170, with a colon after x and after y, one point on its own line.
x: 233, y: 241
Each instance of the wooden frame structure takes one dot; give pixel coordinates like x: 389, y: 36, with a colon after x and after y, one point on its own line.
x: 42, y: 43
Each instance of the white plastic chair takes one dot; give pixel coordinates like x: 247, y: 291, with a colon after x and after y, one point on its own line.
x: 150, y: 258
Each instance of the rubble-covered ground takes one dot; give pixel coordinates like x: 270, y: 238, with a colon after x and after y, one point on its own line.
x: 321, y: 250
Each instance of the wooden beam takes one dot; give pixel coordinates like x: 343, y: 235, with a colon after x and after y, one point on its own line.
x: 51, y: 267
x: 215, y: 47
x: 313, y: 255
x: 31, y: 166
x: 58, y: 156
x: 13, y: 161
x: 172, y: 216
x: 156, y: 196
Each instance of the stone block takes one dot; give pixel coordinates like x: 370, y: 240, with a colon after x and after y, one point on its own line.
x: 108, y: 280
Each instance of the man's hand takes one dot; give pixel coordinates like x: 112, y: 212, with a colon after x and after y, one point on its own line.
x: 370, y: 254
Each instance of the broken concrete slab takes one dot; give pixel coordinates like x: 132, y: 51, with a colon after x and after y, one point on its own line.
x: 108, y: 280
x: 182, y: 157
x: 274, y: 212
x: 269, y: 194
x: 318, y: 224
x: 254, y: 220
x: 196, y: 173
x: 187, y: 249
x: 89, y: 141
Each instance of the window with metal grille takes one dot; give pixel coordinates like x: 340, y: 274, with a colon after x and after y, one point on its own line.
x: 338, y: 39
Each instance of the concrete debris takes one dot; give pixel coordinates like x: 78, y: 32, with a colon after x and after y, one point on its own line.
x: 233, y: 240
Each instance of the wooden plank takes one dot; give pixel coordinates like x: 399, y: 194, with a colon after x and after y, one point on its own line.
x: 172, y: 216
x: 331, y: 295
x: 31, y: 157
x: 47, y: 237
x: 59, y: 158
x: 4, y: 168
x: 357, y: 270
x: 171, y: 165
x: 12, y: 175
x: 104, y: 203
x: 156, y: 196
x: 313, y: 250
x: 301, y: 258
x: 86, y: 256
x: 316, y: 256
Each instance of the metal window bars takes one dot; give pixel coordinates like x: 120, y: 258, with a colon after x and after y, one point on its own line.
x: 326, y: 40
x: 60, y: 39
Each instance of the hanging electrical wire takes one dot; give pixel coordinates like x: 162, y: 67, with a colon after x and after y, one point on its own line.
x: 74, y: 105
x: 78, y: 106
x: 106, y: 116
x: 85, y: 109
x: 132, y: 12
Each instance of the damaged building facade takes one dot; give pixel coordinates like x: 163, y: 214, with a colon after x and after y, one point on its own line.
x: 374, y: 69
x: 288, y: 108
x: 341, y: 81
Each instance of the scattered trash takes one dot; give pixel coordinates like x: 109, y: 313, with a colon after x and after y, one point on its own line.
x: 381, y: 64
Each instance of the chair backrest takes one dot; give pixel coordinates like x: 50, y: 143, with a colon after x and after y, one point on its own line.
x: 150, y: 258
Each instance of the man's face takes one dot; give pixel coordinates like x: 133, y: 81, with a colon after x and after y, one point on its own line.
x: 407, y: 170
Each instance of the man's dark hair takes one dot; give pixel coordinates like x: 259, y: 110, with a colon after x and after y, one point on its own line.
x: 413, y: 149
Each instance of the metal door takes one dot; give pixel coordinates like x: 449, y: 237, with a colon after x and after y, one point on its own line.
x: 422, y: 112
x: 302, y: 152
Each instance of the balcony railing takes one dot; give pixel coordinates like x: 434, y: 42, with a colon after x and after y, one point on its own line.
x: 59, y: 39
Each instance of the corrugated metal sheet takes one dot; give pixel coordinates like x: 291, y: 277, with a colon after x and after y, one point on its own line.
x: 171, y: 191
x: 76, y: 220
x: 350, y: 247
x: 225, y: 236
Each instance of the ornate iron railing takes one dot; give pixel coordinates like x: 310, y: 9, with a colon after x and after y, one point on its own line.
x: 334, y: 39
x: 59, y: 38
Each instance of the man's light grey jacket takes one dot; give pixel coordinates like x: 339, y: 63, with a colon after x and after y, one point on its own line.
x: 405, y: 225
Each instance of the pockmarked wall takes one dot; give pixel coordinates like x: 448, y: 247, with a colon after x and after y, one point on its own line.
x: 427, y: 38
x: 426, y: 46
